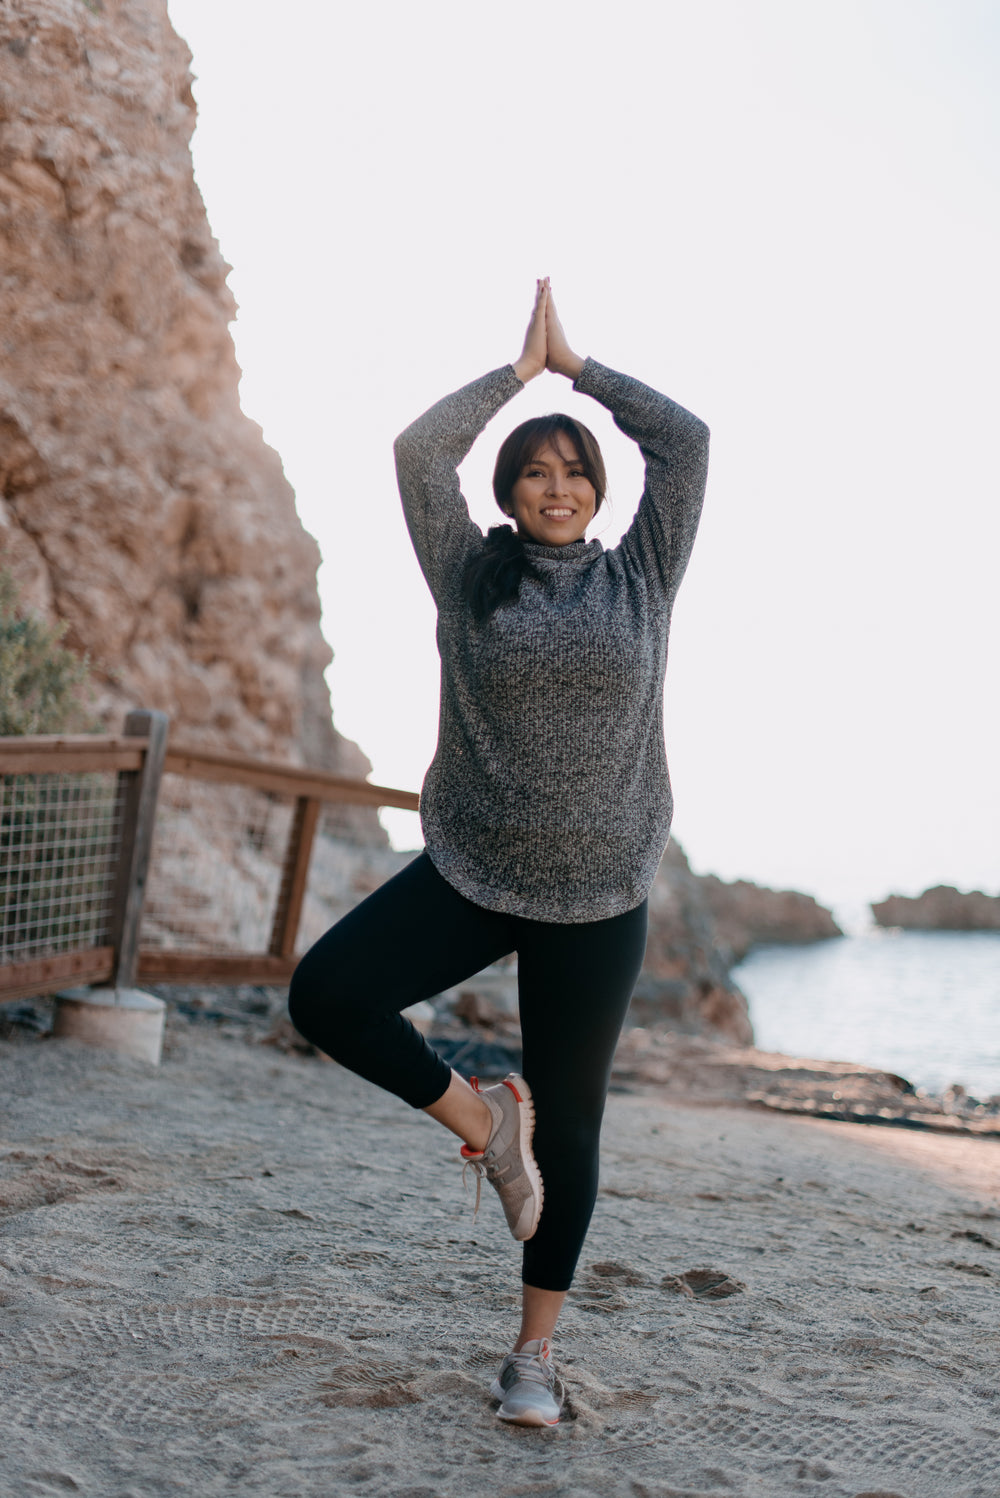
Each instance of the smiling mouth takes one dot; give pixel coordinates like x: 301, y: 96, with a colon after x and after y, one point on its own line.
x: 558, y: 514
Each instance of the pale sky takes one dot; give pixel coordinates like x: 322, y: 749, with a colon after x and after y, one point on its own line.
x: 784, y: 214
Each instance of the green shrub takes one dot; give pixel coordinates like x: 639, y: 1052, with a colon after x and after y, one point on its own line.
x: 43, y: 686
x: 58, y: 831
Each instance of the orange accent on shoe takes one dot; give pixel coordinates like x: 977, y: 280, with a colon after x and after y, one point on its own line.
x: 470, y: 1154
x: 508, y: 1083
x: 474, y: 1084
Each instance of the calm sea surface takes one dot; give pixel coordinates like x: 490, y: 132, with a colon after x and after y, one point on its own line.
x: 925, y: 1004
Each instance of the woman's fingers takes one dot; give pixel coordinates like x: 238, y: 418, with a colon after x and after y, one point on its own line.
x: 559, y: 357
x: 554, y: 328
x: 533, y: 354
x: 539, y: 310
x: 545, y: 344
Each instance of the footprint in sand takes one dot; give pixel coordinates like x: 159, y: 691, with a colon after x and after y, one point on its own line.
x: 702, y: 1284
x: 368, y: 1386
x: 973, y: 1237
x: 611, y: 1269
x: 377, y: 1385
x: 591, y: 1404
x: 38, y: 1180
x: 601, y: 1285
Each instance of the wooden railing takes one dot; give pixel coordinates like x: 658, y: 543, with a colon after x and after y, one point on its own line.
x: 139, y: 757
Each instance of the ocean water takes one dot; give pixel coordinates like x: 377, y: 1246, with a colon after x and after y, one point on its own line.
x: 924, y: 1004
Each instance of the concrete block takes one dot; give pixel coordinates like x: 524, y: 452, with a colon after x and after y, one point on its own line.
x: 116, y: 1019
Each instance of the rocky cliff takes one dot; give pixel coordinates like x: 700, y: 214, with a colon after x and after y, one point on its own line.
x: 942, y: 908
x: 138, y: 503
x: 685, y: 980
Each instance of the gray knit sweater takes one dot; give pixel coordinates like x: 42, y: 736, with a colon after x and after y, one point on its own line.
x: 548, y: 796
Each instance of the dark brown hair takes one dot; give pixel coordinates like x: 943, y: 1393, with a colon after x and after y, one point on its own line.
x: 494, y: 575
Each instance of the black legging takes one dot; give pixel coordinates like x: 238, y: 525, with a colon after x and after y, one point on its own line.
x: 415, y: 937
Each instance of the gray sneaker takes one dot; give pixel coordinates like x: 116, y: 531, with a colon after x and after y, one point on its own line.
x: 527, y: 1386
x: 507, y: 1162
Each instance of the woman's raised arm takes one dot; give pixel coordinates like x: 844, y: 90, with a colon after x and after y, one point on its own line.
x: 429, y: 451
x: 674, y: 444
x: 428, y: 454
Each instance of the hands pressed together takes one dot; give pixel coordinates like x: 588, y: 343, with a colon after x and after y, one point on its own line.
x: 545, y: 345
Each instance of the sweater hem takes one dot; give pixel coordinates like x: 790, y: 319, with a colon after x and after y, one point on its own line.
x: 526, y: 907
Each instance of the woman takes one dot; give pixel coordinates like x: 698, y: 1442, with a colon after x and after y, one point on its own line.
x: 545, y: 811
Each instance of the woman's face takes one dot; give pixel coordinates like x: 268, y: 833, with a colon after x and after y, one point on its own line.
x: 553, y: 501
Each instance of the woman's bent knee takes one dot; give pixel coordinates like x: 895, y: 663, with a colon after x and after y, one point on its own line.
x: 311, y: 999
x: 332, y: 1014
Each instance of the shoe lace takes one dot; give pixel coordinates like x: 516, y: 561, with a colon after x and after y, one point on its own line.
x: 479, y: 1171
x: 531, y: 1368
x: 484, y: 1169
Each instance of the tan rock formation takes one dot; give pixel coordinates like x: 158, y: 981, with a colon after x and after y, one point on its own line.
x: 748, y: 915
x: 698, y: 927
x: 942, y: 908
x: 138, y: 503
x: 685, y: 980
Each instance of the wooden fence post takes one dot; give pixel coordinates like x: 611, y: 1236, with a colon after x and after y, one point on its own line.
x: 137, y: 794
x: 293, y: 877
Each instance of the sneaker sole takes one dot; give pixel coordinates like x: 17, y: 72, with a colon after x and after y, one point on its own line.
x: 526, y: 1126
x: 535, y: 1421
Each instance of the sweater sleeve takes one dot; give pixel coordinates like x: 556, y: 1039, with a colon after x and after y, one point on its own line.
x: 427, y: 457
x: 674, y: 445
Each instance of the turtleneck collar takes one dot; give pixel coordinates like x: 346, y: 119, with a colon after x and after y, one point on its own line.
x: 575, y: 551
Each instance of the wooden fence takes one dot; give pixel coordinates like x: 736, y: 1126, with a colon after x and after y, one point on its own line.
x: 138, y: 759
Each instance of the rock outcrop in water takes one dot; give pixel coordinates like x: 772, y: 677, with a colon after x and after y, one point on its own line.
x: 699, y: 927
x: 138, y: 503
x: 749, y: 915
x: 942, y: 908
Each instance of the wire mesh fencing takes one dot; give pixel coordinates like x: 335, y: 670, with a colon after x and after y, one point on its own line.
x: 218, y: 857
x: 243, y: 872
x: 59, y: 841
x: 216, y: 866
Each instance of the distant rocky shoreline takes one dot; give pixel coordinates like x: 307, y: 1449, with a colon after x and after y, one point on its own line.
x: 942, y: 908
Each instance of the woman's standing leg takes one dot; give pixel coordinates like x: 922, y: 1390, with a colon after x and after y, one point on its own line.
x: 575, y: 985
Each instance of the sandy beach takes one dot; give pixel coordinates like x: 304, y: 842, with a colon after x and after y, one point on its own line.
x: 247, y: 1272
